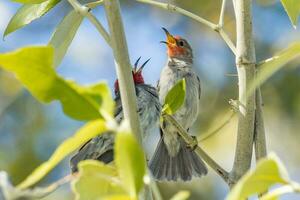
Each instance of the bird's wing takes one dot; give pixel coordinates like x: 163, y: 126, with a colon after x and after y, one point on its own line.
x: 99, y: 148
x: 157, y: 86
x: 118, y: 109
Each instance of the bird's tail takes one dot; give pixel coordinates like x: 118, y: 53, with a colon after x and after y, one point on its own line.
x: 183, y: 166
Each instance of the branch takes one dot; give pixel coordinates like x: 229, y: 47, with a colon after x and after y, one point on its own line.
x: 222, y: 14
x: 85, y: 11
x: 266, y: 61
x: 8, y: 191
x: 189, y: 140
x: 99, y: 27
x: 123, y: 68
x: 211, y: 25
x: 94, y: 4
x: 176, y: 9
x: 245, y: 62
x: 227, y: 40
x: 259, y: 129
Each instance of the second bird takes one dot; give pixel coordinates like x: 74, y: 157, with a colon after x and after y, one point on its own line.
x: 148, y: 107
x: 173, y: 160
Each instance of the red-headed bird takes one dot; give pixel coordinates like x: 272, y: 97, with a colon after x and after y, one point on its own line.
x: 173, y: 160
x: 148, y: 107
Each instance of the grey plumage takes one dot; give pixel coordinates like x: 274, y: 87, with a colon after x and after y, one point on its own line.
x: 173, y: 160
x: 101, y: 147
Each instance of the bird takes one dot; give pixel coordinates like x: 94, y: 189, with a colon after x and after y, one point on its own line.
x: 101, y: 148
x: 173, y: 159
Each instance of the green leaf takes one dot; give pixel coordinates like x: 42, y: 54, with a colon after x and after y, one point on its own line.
x: 130, y: 161
x: 181, y: 195
x: 272, y: 65
x: 175, y: 98
x: 30, y: 1
x: 33, y: 66
x: 87, y: 132
x: 27, y: 13
x: 96, y: 180
x: 267, y: 173
x: 292, y: 7
x: 64, y: 34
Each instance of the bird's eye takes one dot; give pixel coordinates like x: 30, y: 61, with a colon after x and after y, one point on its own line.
x: 181, y: 43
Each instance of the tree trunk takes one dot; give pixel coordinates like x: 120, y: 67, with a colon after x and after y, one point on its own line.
x: 245, y: 62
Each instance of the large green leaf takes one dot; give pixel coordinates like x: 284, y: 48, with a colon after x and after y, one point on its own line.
x: 33, y: 66
x: 96, y: 180
x: 272, y: 65
x: 88, y: 131
x: 292, y: 7
x: 267, y: 173
x: 27, y: 13
x: 64, y: 34
x: 130, y: 161
x: 30, y: 1
x: 175, y: 98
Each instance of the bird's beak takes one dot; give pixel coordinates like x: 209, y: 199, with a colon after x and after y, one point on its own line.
x: 170, y: 38
x: 142, y: 67
x: 136, y: 64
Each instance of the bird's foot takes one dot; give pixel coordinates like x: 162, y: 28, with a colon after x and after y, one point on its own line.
x: 193, y: 145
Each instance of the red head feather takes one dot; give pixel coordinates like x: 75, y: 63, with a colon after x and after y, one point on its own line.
x: 136, y: 75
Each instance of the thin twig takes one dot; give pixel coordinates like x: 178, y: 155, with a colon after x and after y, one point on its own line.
x: 216, y: 130
x: 267, y: 60
x: 60, y: 182
x: 227, y: 40
x: 211, y: 25
x: 99, y: 27
x: 155, y: 189
x: 222, y: 14
x: 201, y: 153
x: 231, y: 75
x: 174, y: 8
x: 85, y: 11
x: 259, y: 129
x: 94, y: 4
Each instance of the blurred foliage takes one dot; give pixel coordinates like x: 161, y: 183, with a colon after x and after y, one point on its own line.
x: 83, y: 135
x: 79, y: 102
x: 268, y: 172
x: 23, y: 120
x: 20, y: 124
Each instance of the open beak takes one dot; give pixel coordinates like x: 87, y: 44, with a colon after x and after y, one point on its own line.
x: 170, y: 38
x: 142, y: 67
x: 136, y: 64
